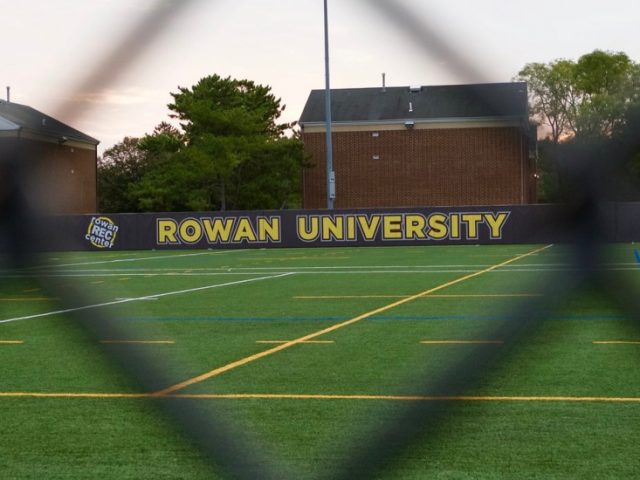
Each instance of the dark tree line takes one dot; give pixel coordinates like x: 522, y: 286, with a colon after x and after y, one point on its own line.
x: 589, y: 107
x: 229, y: 153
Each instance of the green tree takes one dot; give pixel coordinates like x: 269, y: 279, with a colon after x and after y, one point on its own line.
x: 582, y: 103
x: 608, y: 85
x: 549, y: 182
x: 123, y: 168
x: 230, y: 152
x: 271, y: 178
x: 162, y: 187
x: 552, y: 95
x: 119, y: 169
x: 589, y: 97
x: 628, y: 141
x: 230, y: 126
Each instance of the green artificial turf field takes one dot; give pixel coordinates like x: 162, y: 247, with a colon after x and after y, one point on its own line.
x: 309, y: 351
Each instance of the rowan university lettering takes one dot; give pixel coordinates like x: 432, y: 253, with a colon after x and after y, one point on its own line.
x: 295, y: 229
x: 219, y: 230
x: 401, y: 227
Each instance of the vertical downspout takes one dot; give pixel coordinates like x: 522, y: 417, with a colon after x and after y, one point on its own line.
x: 522, y: 186
x: 328, y: 120
x: 96, y: 180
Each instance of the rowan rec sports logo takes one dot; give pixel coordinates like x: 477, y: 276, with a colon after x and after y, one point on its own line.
x: 102, y: 232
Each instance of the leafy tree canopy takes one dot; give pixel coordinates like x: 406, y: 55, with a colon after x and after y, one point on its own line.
x: 230, y: 152
x: 587, y: 97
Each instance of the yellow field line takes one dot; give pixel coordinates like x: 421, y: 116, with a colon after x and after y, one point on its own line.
x: 11, y: 342
x: 493, y: 255
x: 408, y: 398
x: 490, y: 295
x: 252, y: 358
x: 285, y: 396
x: 31, y: 290
x: 616, y: 342
x: 340, y: 297
x: 73, y: 395
x: 287, y: 341
x: 137, y: 342
x: 462, y: 342
x: 27, y: 299
x: 270, y: 259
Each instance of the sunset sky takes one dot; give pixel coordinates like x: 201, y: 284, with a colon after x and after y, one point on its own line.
x: 49, y: 48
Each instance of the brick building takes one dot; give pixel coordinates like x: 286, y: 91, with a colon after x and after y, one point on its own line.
x: 61, y: 161
x: 422, y: 146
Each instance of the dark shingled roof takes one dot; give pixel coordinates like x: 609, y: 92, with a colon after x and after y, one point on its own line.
x: 37, y: 122
x: 430, y: 103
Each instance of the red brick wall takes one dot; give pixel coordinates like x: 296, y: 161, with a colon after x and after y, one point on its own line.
x: 438, y: 167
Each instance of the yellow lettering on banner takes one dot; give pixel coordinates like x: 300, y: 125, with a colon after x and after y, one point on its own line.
x: 190, y: 231
x: 332, y: 228
x: 438, y: 226
x: 392, y: 227
x: 496, y: 223
x: 351, y: 228
x: 244, y: 231
x: 415, y: 226
x: 167, y: 230
x: 308, y: 228
x: 472, y: 220
x: 369, y: 228
x: 269, y: 229
x: 218, y: 229
x: 454, y: 226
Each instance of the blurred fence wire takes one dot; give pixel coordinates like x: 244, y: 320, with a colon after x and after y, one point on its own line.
x: 590, y: 179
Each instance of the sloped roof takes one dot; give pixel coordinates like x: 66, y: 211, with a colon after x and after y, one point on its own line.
x: 6, y: 125
x: 14, y: 116
x: 429, y: 103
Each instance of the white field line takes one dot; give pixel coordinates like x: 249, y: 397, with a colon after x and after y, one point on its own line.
x: 317, y: 267
x: 101, y: 274
x: 468, y: 265
x: 299, y: 268
x: 138, y: 259
x: 273, y: 268
x: 130, y: 298
x: 145, y: 298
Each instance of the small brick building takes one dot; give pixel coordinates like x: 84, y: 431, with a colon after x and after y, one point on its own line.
x: 422, y: 146
x: 60, y: 160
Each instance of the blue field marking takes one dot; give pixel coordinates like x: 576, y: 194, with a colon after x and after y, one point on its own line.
x: 637, y: 255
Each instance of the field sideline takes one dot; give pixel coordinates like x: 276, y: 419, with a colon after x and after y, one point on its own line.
x: 307, y: 350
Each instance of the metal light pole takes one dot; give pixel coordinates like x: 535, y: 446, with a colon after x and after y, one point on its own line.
x: 331, y: 178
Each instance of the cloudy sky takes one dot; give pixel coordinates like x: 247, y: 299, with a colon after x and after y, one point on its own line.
x: 50, y: 49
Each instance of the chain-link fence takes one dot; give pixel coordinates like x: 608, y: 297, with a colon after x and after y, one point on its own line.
x: 591, y: 179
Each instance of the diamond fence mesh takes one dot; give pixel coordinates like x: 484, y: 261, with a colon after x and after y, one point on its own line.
x: 591, y: 179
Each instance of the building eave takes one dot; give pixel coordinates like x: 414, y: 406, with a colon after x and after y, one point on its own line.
x: 28, y: 134
x: 417, y: 123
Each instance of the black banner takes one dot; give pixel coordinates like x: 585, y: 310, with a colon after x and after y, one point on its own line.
x: 304, y: 228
